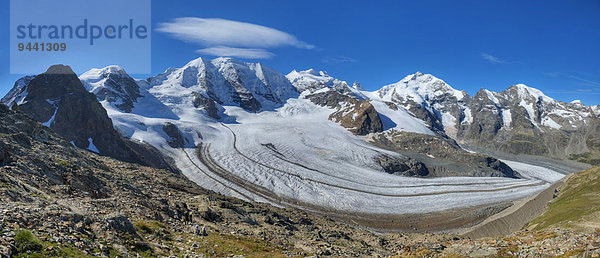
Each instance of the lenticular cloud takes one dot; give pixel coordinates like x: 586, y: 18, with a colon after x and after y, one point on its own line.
x: 230, y: 38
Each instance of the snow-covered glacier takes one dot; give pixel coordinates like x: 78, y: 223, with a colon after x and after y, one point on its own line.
x: 287, y: 152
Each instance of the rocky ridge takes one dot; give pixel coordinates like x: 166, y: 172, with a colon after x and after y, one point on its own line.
x: 519, y: 120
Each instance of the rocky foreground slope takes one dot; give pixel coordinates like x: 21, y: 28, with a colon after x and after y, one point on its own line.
x: 58, y: 200
x: 78, y: 203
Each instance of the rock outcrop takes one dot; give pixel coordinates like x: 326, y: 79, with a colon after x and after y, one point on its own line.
x: 439, y: 156
x: 205, y: 103
x: 358, y: 116
x: 175, y: 140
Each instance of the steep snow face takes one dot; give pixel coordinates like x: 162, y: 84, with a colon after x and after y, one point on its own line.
x: 113, y: 84
x: 311, y: 81
x: 18, y: 93
x: 252, y: 86
x: 429, y: 99
x: 491, y: 96
x: 526, y: 92
x: 399, y: 119
x: 541, y: 110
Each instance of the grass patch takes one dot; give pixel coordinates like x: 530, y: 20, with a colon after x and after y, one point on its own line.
x: 149, y: 227
x: 221, y: 245
x: 579, y: 197
x: 6, y: 185
x: 63, y: 163
x: 30, y: 246
x: 26, y: 242
x: 586, y: 157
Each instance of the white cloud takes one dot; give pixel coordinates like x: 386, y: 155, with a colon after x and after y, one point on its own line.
x: 490, y: 58
x: 230, y: 38
x: 251, y: 53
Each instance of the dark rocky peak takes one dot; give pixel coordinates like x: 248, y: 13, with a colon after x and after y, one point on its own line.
x: 57, y: 81
x: 484, y: 96
x: 60, y: 69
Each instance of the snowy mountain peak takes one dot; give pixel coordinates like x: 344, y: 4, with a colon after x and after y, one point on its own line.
x: 312, y: 79
x: 419, y: 88
x: 18, y: 93
x: 312, y: 71
x: 525, y: 92
x: 228, y: 61
x: 104, y: 72
x: 356, y: 85
x: 227, y: 81
x: 198, y: 62
x: 112, y: 84
x: 114, y: 69
x: 576, y: 102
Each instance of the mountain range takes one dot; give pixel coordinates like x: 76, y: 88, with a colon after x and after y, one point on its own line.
x: 312, y: 141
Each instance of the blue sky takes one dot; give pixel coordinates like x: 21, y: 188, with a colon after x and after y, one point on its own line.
x: 550, y: 45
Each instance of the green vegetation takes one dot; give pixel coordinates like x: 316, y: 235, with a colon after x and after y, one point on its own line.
x: 215, y: 244
x: 149, y: 227
x: 219, y: 245
x: 30, y: 246
x: 579, y: 198
x: 587, y: 157
x: 26, y: 242
x: 6, y: 185
x: 63, y: 163
x: 523, y: 143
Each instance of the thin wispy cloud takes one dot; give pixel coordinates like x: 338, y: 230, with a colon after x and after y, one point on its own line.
x: 585, y: 81
x: 252, y: 53
x: 491, y: 59
x: 582, y: 81
x: 230, y: 38
x: 593, y: 87
x: 339, y: 59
